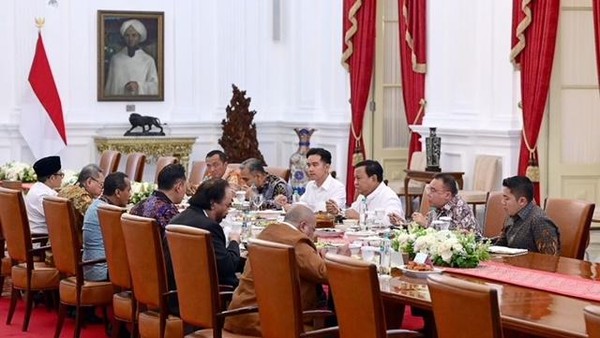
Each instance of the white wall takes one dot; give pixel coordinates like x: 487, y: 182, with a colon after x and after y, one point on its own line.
x: 294, y: 81
x: 471, y: 89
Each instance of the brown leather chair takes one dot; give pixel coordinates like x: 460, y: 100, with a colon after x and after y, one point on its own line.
x: 162, y: 162
x: 148, y: 276
x: 123, y: 301
x: 591, y: 313
x: 26, y: 275
x: 495, y: 216
x: 66, y: 250
x: 134, y: 168
x: 573, y: 219
x: 5, y: 261
x: 109, y: 161
x: 197, y: 172
x: 355, y: 288
x: 282, y: 172
x: 278, y: 292
x: 195, y: 269
x: 454, y: 318
x: 486, y: 175
x: 15, y: 185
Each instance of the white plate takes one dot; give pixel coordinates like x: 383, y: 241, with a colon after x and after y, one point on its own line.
x: 268, y: 214
x: 328, y: 232
x: 418, y: 274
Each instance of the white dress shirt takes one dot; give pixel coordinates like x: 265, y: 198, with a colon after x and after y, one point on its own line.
x: 383, y: 197
x: 35, y: 208
x: 315, y: 197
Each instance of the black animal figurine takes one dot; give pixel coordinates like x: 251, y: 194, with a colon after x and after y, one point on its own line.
x: 138, y: 120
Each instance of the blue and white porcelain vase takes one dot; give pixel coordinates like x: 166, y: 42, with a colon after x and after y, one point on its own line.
x: 298, y: 163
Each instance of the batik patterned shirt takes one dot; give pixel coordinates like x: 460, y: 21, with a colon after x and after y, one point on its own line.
x: 157, y: 206
x: 79, y: 197
x: 273, y: 186
x: 461, y: 215
x: 531, y: 229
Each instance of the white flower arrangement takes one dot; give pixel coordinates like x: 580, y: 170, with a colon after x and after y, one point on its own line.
x: 141, y: 190
x: 17, y: 171
x: 445, y: 247
x: 70, y: 178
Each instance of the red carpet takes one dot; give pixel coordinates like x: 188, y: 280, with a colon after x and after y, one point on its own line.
x: 42, y: 323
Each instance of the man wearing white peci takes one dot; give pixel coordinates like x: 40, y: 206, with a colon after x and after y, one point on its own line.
x: 368, y: 181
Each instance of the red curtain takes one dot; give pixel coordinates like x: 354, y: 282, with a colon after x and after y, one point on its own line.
x: 411, y: 14
x: 358, y: 57
x: 534, y: 30
x: 596, y: 14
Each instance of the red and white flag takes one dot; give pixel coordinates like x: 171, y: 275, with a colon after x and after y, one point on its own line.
x: 42, y: 123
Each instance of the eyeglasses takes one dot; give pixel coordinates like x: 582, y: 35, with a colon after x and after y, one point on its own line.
x: 61, y: 175
x: 101, y: 184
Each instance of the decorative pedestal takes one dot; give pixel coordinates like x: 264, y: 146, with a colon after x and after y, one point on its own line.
x: 298, y: 165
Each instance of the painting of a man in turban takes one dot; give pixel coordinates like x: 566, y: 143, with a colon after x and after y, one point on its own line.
x: 132, y: 72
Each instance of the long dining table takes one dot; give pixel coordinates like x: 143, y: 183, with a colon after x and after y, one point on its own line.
x: 530, y: 311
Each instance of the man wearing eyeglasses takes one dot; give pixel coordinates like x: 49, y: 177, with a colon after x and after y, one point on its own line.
x: 445, y: 202
x: 88, y: 187
x: 49, y: 178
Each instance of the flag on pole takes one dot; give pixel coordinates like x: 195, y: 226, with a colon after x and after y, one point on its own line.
x: 42, y: 123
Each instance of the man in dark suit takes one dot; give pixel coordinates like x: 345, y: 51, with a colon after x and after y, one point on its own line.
x: 208, y: 207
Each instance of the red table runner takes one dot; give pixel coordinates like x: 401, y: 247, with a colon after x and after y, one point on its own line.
x: 573, y: 286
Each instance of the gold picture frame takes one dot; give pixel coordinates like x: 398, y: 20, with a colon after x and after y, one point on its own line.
x: 130, y: 66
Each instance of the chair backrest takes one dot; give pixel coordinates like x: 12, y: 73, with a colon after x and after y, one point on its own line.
x: 114, y: 245
x: 591, y: 313
x: 277, y: 288
x: 355, y: 289
x: 134, y: 168
x: 195, y: 270
x: 13, y: 216
x: 15, y: 185
x: 573, y: 219
x: 418, y: 161
x: 282, y: 172
x: 109, y: 161
x: 64, y: 240
x: 495, y: 216
x: 486, y: 174
x: 197, y: 173
x: 480, y: 319
x: 146, y: 260
x: 162, y: 162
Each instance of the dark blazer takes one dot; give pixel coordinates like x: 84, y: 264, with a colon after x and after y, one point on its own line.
x: 228, y: 257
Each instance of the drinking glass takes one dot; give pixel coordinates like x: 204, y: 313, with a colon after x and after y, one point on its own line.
x: 257, y: 201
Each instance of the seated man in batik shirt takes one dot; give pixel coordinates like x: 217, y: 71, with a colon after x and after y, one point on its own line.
x: 528, y: 226
x: 445, y: 202
x: 162, y: 204
x: 270, y: 186
x: 88, y: 187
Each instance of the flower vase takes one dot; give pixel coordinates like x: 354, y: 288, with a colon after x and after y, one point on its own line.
x: 433, y: 146
x: 298, y: 163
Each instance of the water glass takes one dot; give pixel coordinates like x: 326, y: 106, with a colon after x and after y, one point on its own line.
x: 257, y: 201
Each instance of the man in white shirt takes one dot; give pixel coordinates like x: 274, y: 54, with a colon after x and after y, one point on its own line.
x: 49, y: 176
x: 368, y: 181
x: 322, y: 187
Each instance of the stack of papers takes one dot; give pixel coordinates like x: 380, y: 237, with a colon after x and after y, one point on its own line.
x: 496, y: 249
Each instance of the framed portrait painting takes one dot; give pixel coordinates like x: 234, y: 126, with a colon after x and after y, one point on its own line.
x: 130, y: 56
